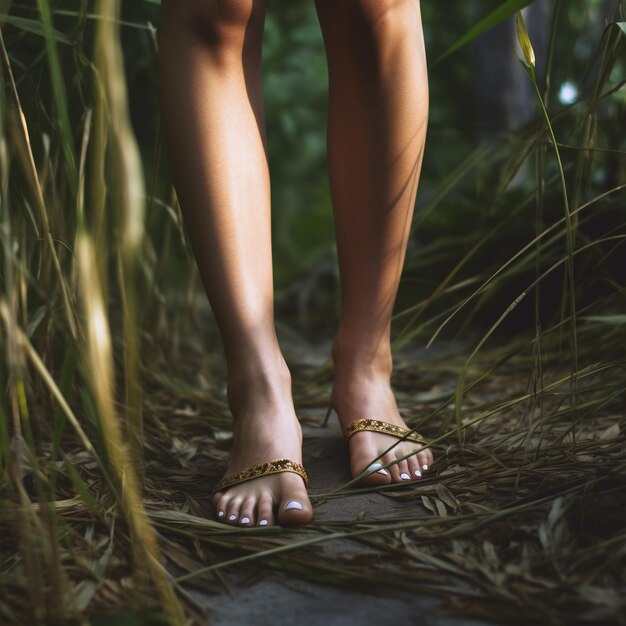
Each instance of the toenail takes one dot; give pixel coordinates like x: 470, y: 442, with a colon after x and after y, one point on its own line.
x: 405, y: 476
x: 245, y: 520
x: 232, y: 517
x: 293, y: 505
x: 220, y: 513
x: 375, y: 467
x: 418, y: 473
x: 424, y: 467
x: 263, y: 522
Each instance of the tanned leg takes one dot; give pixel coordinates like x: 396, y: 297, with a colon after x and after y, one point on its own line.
x: 213, y: 120
x: 378, y: 109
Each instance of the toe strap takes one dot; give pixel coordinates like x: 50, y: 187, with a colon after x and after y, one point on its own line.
x: 383, y: 427
x: 274, y: 466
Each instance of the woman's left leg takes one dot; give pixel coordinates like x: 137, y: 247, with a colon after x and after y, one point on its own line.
x: 378, y: 109
x: 213, y: 120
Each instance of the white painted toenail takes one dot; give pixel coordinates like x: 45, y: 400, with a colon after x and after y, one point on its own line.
x: 232, y: 518
x: 418, y: 473
x: 405, y: 476
x: 263, y: 522
x: 293, y: 505
x: 220, y: 513
x: 375, y: 467
x: 245, y: 520
x: 424, y: 467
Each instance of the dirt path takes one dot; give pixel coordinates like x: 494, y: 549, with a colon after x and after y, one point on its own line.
x: 275, y: 599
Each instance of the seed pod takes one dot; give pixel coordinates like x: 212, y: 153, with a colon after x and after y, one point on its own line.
x: 524, y: 40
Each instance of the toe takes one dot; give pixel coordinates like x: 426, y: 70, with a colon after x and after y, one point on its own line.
x: 394, y: 471
x: 265, y: 514
x: 246, y: 515
x: 221, y: 505
x: 232, y: 511
x: 414, y: 467
x: 403, y: 469
x: 377, y: 474
x: 429, y: 454
x: 423, y: 460
x: 363, y: 458
x: 217, y: 496
x: 295, y: 507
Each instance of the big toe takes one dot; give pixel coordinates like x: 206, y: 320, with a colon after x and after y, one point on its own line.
x: 376, y: 474
x: 363, y: 459
x: 295, y: 507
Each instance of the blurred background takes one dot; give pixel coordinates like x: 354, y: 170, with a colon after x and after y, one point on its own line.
x: 475, y: 201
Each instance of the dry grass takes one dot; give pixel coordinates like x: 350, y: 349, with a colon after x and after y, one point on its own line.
x: 525, y: 516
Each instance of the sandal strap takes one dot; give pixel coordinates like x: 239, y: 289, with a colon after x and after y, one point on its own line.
x: 273, y: 466
x: 383, y: 427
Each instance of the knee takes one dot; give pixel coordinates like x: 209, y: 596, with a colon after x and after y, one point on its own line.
x: 221, y: 24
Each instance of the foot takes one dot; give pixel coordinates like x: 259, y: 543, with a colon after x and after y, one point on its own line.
x: 266, y: 427
x: 363, y: 390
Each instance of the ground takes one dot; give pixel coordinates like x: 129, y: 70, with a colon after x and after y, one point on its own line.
x: 518, y: 521
x: 275, y: 599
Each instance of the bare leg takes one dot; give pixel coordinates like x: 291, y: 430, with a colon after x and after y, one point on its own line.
x: 378, y: 109
x: 212, y: 109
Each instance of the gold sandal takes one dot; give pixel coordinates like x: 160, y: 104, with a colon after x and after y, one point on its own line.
x: 383, y: 427
x: 274, y: 466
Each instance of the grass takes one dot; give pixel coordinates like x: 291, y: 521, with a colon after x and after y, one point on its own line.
x: 115, y: 418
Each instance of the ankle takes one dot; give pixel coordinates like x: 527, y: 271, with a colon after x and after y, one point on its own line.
x: 260, y: 378
x: 356, y: 357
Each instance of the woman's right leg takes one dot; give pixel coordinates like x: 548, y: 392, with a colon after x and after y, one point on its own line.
x: 213, y: 121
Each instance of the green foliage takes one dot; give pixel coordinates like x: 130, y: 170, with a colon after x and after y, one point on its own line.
x: 295, y: 83
x: 502, y: 12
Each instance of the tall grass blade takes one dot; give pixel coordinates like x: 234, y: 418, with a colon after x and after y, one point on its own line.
x: 22, y: 144
x: 129, y: 197
x: 569, y: 227
x: 60, y: 95
x: 100, y: 363
x: 506, y: 9
x: 36, y: 27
